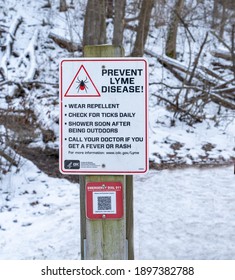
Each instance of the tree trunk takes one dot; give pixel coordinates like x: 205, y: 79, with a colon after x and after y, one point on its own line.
x: 94, y: 32
x: 109, y: 8
x: 233, y: 48
x: 215, y: 14
x: 172, y: 29
x: 63, y: 6
x: 119, y: 14
x: 222, y: 22
x: 143, y: 27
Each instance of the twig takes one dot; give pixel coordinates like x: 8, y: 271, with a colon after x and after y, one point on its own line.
x: 221, y: 40
x: 223, y: 85
x: 185, y: 111
x: 222, y: 54
x: 8, y: 158
x: 30, y: 52
x: 197, y: 59
x: 177, y: 87
x: 173, y: 65
x: 185, y: 25
x: 26, y: 83
x: 130, y: 19
x: 9, y: 44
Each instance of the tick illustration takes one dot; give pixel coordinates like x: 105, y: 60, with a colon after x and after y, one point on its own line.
x: 82, y: 84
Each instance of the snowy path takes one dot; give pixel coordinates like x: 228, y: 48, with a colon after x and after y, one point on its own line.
x: 186, y: 214
x: 180, y: 214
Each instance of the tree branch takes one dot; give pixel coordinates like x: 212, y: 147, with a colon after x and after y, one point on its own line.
x: 8, y: 158
x: 221, y: 40
x: 9, y: 44
x: 185, y: 111
x: 65, y: 43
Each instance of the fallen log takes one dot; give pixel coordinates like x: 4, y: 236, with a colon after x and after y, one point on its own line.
x: 65, y: 43
x: 8, y: 158
x: 9, y: 45
x: 211, y: 73
x: 29, y: 57
x: 220, y: 66
x: 221, y: 101
x: 223, y: 85
x: 177, y: 108
x: 225, y: 90
x: 173, y: 65
x: 222, y: 54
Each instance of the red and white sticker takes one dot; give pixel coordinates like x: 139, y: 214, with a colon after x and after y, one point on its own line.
x: 104, y: 200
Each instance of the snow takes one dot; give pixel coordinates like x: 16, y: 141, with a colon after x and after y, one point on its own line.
x: 163, y: 135
x: 178, y: 214
x: 185, y: 214
x: 39, y: 216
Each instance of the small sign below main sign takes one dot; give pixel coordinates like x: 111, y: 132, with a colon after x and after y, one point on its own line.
x: 103, y: 116
x: 104, y: 200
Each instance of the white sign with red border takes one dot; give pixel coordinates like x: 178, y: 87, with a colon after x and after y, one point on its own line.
x: 103, y: 116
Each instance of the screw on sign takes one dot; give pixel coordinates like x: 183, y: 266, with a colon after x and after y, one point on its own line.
x: 82, y: 84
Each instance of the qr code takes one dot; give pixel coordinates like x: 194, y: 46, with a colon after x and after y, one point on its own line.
x: 104, y: 203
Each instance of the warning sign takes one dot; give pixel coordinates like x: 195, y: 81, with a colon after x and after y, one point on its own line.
x: 105, y: 130
x: 82, y: 85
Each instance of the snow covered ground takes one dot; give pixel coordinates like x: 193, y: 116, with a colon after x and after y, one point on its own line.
x: 200, y: 143
x: 180, y: 214
x: 39, y: 216
x: 185, y: 214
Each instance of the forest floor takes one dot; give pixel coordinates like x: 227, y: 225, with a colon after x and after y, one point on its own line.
x: 48, y: 161
x: 22, y: 132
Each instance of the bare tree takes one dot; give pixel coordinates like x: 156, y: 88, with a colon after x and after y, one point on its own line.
x: 94, y: 32
x: 230, y: 4
x: 215, y: 14
x: 173, y: 28
x: 119, y: 13
x: 63, y: 6
x: 233, y: 49
x: 143, y: 27
x: 109, y: 8
x: 223, y: 19
x: 222, y: 15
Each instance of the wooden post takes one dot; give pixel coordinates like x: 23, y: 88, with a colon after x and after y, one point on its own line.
x: 107, y: 239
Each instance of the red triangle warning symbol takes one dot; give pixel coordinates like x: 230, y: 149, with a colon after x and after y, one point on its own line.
x: 82, y: 85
